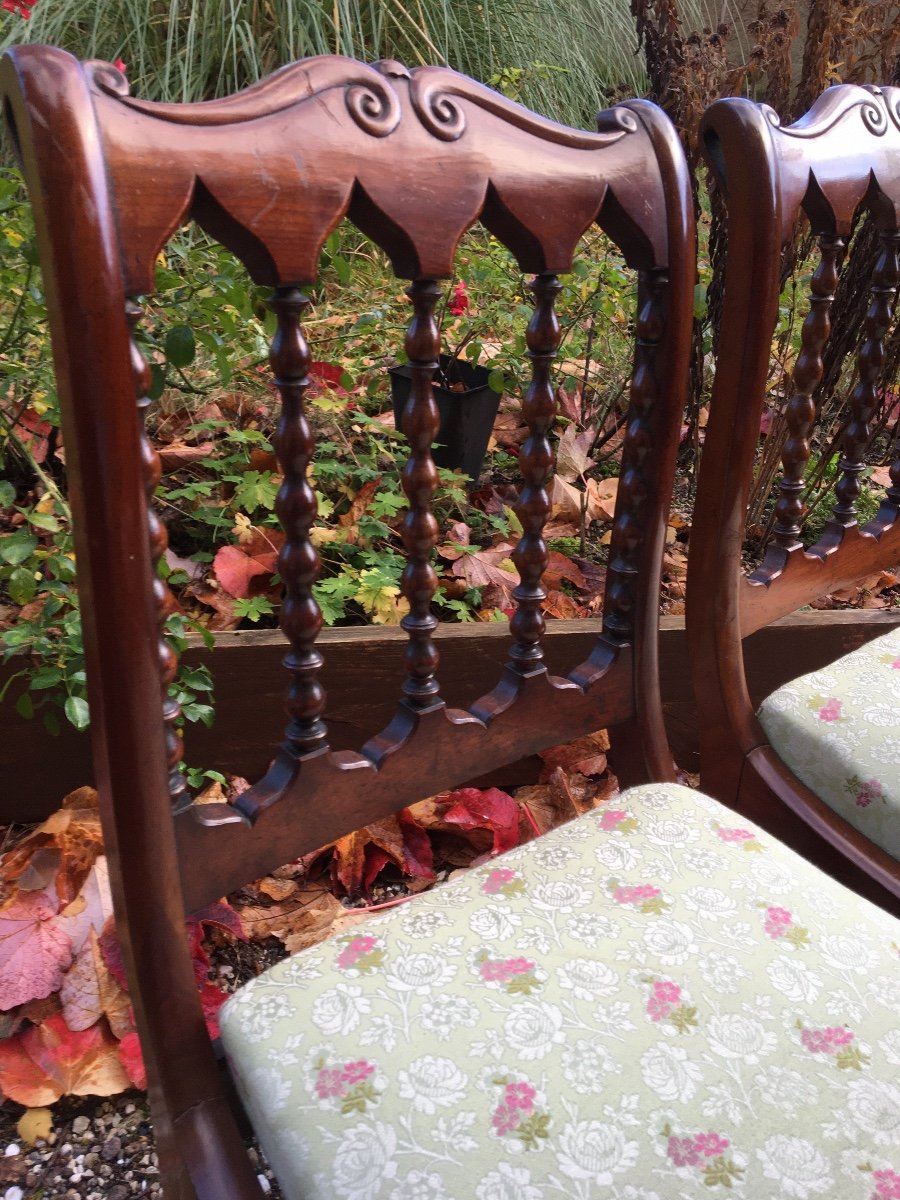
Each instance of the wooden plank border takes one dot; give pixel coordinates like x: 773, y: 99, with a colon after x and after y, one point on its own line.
x: 361, y: 669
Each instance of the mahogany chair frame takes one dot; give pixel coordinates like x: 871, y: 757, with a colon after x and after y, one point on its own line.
x: 843, y: 156
x: 270, y: 172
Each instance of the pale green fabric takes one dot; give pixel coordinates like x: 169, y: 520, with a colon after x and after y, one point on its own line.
x: 838, y: 730
x: 655, y: 1002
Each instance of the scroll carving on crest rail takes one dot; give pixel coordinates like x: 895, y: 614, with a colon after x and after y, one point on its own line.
x: 876, y: 107
x: 270, y: 171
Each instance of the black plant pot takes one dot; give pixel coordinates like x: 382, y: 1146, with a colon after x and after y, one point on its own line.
x: 467, y: 415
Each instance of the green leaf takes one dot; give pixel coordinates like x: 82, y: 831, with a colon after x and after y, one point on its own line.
x: 157, y: 382
x: 15, y: 548
x: 25, y: 706
x: 43, y: 521
x: 7, y: 493
x: 180, y: 346
x: 496, y: 382
x: 77, y: 711
x: 21, y: 585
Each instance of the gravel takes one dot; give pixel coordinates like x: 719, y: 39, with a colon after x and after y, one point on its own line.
x: 99, y: 1149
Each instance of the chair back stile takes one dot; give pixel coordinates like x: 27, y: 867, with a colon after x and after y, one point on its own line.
x: 413, y: 159
x: 835, y: 163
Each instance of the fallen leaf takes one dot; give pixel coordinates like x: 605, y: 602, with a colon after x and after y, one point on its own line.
x: 572, y: 457
x: 234, y: 568
x: 277, y: 889
x: 35, y: 1125
x: 358, y: 857
x: 586, y: 755
x: 35, y: 952
x: 179, y: 454
x: 133, y: 1060
x: 488, y: 808
x: 565, y: 500
x: 89, y: 992
x: 601, y: 501
x: 50, y: 1060
x: 91, y: 908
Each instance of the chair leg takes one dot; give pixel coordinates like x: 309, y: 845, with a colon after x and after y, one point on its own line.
x: 173, y: 1173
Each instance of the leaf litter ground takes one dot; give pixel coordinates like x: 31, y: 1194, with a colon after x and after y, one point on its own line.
x: 72, y: 1122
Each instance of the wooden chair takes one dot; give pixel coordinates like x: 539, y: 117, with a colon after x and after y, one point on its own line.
x: 820, y: 762
x: 516, y: 1032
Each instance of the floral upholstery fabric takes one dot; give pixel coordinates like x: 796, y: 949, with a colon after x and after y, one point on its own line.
x: 838, y: 730
x: 655, y: 1001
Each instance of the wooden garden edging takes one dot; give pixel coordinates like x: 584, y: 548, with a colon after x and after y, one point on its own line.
x: 38, y: 770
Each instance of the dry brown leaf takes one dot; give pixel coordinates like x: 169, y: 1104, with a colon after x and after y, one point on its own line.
x: 601, y: 501
x: 276, y: 889
x: 585, y: 754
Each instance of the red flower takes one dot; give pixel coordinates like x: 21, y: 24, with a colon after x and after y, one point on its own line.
x: 119, y: 64
x: 19, y: 8
x: 460, y: 302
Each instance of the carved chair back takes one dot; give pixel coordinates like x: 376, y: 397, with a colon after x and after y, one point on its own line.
x: 838, y: 163
x: 413, y: 159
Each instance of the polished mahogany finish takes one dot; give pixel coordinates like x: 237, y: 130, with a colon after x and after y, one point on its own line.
x: 413, y: 158
x: 842, y: 157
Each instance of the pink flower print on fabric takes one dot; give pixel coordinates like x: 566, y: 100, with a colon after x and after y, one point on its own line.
x: 665, y: 999
x: 338, y: 1081
x: 826, y: 1041
x: 735, y: 835
x: 503, y: 970
x: 887, y: 1182
x: 516, y: 1114
x: 611, y: 817
x: 329, y: 1083
x: 360, y: 952
x: 520, y: 1095
x: 501, y: 881
x: 635, y: 894
x: 867, y: 791
x: 831, y: 709
x: 778, y: 922
x: 691, y: 1151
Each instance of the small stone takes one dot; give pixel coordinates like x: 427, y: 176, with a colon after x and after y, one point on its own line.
x: 13, y: 1193
x: 112, y: 1148
x: 119, y: 1192
x: 11, y: 1149
x: 81, y: 1125
x: 264, y: 1184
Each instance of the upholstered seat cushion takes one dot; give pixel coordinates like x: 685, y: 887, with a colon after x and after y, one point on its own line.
x: 838, y: 730
x: 655, y: 1001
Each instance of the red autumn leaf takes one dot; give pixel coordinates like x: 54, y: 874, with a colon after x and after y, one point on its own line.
x: 234, y: 568
x: 34, y: 951
x: 133, y: 1060
x: 112, y: 954
x: 21, y: 1079
x: 49, y: 1060
x: 326, y: 377
x: 34, y: 432
x: 398, y: 838
x: 489, y: 808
